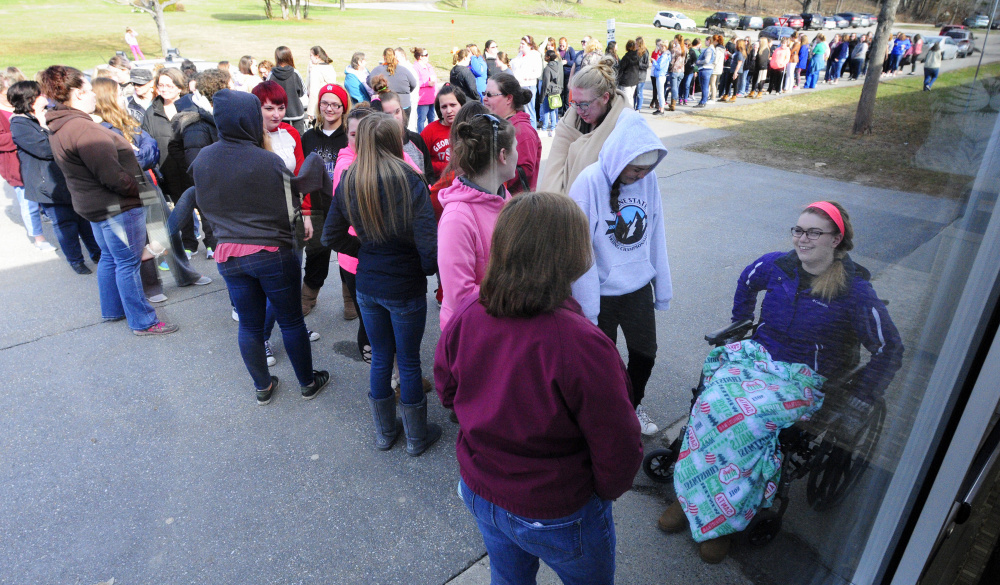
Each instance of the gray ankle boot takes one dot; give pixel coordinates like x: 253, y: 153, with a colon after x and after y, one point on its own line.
x: 419, y: 434
x: 387, y: 426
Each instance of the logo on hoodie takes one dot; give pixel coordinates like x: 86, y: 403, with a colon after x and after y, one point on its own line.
x: 627, y: 231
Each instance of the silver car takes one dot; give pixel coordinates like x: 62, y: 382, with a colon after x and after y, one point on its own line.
x: 949, y: 48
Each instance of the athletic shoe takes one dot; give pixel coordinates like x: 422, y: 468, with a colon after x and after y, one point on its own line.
x: 699, y: 105
x: 264, y: 396
x: 163, y: 266
x: 313, y: 336
x: 269, y: 354
x: 236, y: 316
x: 80, y: 268
x: 45, y: 246
x: 189, y: 253
x: 203, y: 281
x: 157, y: 298
x: 645, y: 424
x: 320, y: 378
x: 159, y: 328
x: 209, y: 253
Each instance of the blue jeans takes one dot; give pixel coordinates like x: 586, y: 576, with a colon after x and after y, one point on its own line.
x: 705, y: 80
x: 638, y: 94
x: 70, y: 228
x: 425, y: 115
x: 395, y: 325
x: 580, y: 547
x: 254, y: 282
x: 121, y: 239
x: 741, y: 82
x: 894, y: 62
x: 550, y: 117
x: 531, y: 105
x: 29, y: 213
x: 838, y: 69
x: 675, y: 82
x: 686, y: 87
x: 930, y: 75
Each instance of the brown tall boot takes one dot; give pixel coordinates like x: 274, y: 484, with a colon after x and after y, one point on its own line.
x: 673, y: 103
x: 308, y: 299
x: 714, y: 551
x: 350, y: 312
x: 673, y: 519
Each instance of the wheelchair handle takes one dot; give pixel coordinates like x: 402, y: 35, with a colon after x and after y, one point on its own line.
x: 738, y: 330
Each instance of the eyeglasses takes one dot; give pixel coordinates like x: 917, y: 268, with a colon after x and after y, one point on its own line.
x: 331, y: 105
x: 492, y: 95
x: 165, y: 85
x: 811, y: 235
x: 582, y: 105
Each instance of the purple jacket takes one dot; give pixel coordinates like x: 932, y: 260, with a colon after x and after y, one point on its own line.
x: 543, y: 407
x: 798, y: 328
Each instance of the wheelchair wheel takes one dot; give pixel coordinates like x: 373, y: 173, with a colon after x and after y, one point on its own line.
x: 838, y: 465
x: 659, y: 465
x: 763, y: 528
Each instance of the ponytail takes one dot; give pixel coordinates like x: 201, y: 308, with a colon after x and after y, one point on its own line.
x: 833, y: 281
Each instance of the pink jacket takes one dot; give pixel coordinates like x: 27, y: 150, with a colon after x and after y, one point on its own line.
x: 464, y: 236
x: 780, y: 58
x: 344, y: 160
x: 428, y: 83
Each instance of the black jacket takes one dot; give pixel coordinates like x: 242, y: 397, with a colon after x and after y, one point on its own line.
x: 463, y: 78
x: 628, y: 70
x: 286, y: 77
x: 644, y: 64
x: 552, y: 79
x: 174, y: 178
x: 193, y: 130
x: 240, y: 186
x: 43, y: 181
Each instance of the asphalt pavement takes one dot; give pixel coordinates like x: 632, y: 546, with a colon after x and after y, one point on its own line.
x: 147, y: 460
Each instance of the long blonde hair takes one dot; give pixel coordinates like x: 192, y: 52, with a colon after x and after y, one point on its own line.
x: 111, y: 111
x: 379, y: 147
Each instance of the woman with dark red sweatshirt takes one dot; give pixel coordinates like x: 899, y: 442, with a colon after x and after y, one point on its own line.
x: 562, y: 418
x: 102, y: 175
x: 506, y: 98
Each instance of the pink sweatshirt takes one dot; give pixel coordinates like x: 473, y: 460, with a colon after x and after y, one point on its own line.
x: 780, y: 58
x: 344, y: 160
x: 464, y: 236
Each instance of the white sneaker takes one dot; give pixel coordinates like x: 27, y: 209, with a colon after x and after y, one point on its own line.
x: 269, y: 354
x: 157, y: 298
x: 45, y: 246
x: 645, y: 424
x: 206, y: 280
x: 209, y: 253
x: 236, y: 316
x: 313, y: 336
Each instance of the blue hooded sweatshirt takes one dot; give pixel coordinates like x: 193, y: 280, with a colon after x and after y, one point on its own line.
x: 630, y: 247
x: 241, y: 188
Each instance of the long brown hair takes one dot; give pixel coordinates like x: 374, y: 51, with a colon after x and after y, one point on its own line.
x: 379, y: 147
x: 389, y: 58
x: 111, y: 111
x: 833, y: 281
x: 283, y: 56
x: 530, y: 272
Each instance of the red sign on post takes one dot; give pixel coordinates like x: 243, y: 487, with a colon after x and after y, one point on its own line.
x: 783, y: 21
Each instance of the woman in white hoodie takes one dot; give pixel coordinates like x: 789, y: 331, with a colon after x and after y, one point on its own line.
x: 527, y: 68
x: 321, y: 73
x: 630, y: 277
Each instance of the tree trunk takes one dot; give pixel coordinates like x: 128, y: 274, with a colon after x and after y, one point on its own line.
x: 342, y: 7
x: 864, y: 119
x: 267, y: 9
x: 807, y: 6
x: 161, y: 27
x: 305, y: 9
x: 284, y: 9
x: 465, y: 4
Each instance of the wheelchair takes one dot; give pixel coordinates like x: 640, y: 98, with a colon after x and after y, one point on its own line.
x: 833, y: 450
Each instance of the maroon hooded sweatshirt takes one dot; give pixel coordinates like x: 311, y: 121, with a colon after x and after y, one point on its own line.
x: 543, y: 407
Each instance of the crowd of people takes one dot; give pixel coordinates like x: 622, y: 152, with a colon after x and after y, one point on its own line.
x: 272, y: 174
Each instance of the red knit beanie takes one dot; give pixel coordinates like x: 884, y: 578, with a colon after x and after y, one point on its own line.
x: 336, y: 90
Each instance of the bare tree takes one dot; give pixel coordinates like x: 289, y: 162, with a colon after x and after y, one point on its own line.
x: 806, y: 5
x: 267, y: 10
x: 155, y: 9
x: 864, y: 119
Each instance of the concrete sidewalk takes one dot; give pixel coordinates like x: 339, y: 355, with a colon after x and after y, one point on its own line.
x: 147, y: 460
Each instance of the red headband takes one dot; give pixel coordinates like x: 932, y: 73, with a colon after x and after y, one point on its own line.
x: 830, y: 210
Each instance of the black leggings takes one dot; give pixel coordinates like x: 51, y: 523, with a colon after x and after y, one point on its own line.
x: 634, y: 313
x: 317, y: 267
x: 774, y: 79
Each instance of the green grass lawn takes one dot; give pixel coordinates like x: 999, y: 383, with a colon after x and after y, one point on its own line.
x: 84, y: 33
x: 796, y: 132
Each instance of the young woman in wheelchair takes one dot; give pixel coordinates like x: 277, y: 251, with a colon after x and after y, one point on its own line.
x: 818, y: 306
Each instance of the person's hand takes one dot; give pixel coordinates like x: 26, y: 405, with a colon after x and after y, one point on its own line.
x: 307, y: 226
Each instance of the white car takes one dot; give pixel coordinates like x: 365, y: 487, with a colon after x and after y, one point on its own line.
x: 949, y: 48
x: 674, y: 20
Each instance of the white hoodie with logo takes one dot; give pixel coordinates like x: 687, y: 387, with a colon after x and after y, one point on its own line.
x: 630, y: 248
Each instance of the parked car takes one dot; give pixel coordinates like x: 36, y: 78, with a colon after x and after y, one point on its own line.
x: 812, y: 20
x: 949, y: 27
x: 792, y: 20
x: 853, y: 18
x: 776, y: 33
x: 977, y: 21
x: 674, y: 20
x: 723, y: 20
x: 829, y: 23
x: 965, y: 41
x: 949, y: 48
x: 748, y: 22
